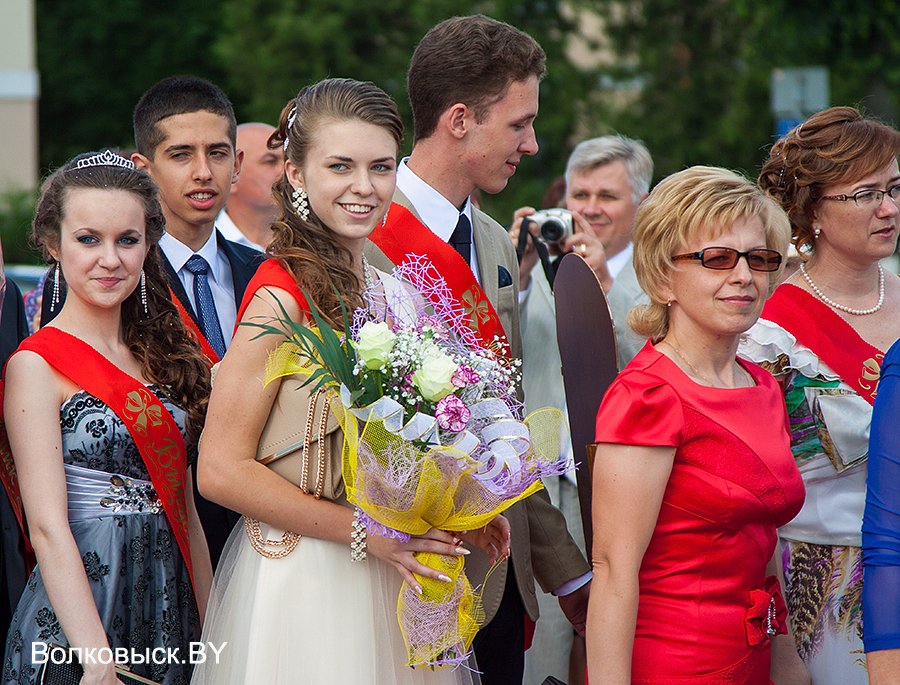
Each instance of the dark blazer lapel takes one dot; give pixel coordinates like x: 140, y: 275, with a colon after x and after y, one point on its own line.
x: 244, y: 262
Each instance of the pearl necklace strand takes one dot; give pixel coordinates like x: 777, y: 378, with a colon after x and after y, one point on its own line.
x: 832, y: 303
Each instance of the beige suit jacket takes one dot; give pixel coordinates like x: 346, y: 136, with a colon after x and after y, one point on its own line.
x: 542, y: 548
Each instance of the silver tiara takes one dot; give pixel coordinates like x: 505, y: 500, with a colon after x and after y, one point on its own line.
x: 105, y: 158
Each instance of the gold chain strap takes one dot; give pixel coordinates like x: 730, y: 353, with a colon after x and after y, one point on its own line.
x: 290, y: 540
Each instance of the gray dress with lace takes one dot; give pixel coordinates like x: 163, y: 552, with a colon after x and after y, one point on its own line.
x: 134, y: 567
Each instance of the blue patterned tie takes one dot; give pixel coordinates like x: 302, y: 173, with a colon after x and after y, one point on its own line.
x: 206, y: 305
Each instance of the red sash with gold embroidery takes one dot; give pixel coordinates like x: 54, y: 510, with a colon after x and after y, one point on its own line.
x: 816, y: 325
x: 404, y: 235
x: 191, y: 325
x: 150, y: 424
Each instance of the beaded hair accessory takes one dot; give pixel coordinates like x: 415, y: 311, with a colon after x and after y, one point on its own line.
x: 105, y: 158
x: 291, y: 117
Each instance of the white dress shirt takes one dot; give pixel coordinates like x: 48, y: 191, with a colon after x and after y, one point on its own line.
x: 219, y: 277
x: 436, y: 211
x: 615, y: 263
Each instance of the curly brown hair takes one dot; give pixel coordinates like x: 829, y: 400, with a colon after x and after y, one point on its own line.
x: 307, y: 248
x: 169, y: 356
x: 837, y: 145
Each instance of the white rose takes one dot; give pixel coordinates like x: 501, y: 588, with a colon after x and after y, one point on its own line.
x: 432, y: 378
x: 375, y: 343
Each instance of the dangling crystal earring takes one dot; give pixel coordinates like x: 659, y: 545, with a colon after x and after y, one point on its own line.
x: 384, y: 220
x: 55, y: 300
x: 299, y: 203
x: 144, y: 292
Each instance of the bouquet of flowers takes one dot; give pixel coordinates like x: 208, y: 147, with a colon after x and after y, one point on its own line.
x: 433, y: 436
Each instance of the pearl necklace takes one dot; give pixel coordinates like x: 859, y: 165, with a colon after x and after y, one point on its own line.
x: 832, y: 303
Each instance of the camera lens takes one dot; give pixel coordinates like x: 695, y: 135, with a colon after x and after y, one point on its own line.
x: 552, y: 231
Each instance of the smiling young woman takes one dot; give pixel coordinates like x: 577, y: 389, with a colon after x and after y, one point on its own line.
x: 305, y: 607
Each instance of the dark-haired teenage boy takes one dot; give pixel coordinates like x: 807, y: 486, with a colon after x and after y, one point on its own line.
x: 185, y: 131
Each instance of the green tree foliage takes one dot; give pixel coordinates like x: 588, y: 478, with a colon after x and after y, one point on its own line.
x: 97, y: 58
x: 272, y: 48
x: 705, y: 69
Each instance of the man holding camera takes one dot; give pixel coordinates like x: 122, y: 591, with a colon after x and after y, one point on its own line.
x: 606, y: 179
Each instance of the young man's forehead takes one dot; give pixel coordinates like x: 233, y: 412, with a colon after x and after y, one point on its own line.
x: 196, y: 129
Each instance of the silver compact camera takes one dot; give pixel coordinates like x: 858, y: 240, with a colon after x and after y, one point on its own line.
x: 555, y: 224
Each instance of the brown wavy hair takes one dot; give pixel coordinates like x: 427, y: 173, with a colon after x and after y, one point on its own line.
x: 307, y: 249
x: 837, y: 145
x: 169, y: 356
x: 471, y: 60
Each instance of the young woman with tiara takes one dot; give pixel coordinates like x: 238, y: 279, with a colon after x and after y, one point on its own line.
x: 102, y: 406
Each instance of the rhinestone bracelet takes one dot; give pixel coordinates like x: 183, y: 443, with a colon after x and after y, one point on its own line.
x: 358, y: 543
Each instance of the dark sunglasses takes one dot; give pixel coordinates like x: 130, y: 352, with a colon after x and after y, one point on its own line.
x: 724, y: 258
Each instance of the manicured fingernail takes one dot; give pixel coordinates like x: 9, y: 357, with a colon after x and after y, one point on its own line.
x: 419, y: 589
x: 443, y: 578
x: 462, y: 550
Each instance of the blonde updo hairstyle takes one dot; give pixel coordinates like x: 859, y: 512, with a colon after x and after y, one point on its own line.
x: 834, y: 146
x: 687, y: 206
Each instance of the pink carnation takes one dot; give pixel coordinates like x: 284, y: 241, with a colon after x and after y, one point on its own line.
x: 435, y: 325
x: 463, y: 376
x: 452, y: 414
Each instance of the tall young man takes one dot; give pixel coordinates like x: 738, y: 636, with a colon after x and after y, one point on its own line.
x: 473, y: 87
x: 184, y: 128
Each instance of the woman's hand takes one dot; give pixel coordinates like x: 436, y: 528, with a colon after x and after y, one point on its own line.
x: 96, y: 673
x: 493, y: 539
x: 401, y: 554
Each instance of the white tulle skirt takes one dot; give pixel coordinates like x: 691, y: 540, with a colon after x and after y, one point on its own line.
x: 312, y: 617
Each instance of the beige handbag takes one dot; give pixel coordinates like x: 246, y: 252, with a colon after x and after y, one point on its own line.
x: 301, y: 425
x: 301, y: 442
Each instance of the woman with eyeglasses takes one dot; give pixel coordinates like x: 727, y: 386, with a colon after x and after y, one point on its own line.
x: 693, y: 470
x: 823, y: 334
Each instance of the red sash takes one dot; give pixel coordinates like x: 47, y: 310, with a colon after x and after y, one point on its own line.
x: 191, y: 325
x: 816, y: 325
x: 150, y: 424
x: 403, y: 235
x: 270, y: 273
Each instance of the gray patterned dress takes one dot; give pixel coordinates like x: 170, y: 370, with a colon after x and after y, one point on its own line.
x: 134, y: 567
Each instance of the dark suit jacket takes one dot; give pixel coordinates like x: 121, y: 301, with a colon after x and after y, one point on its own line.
x: 542, y: 548
x: 13, y: 571
x: 243, y: 261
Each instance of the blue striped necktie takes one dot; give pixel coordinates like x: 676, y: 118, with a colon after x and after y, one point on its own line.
x: 206, y: 305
